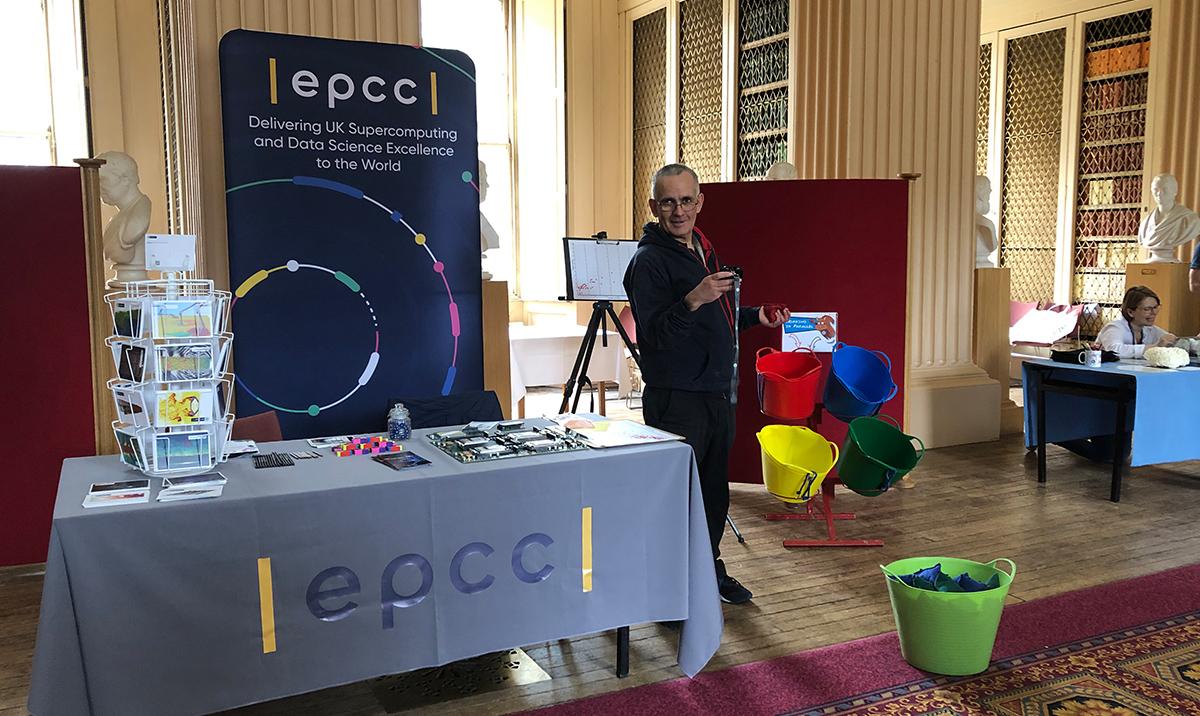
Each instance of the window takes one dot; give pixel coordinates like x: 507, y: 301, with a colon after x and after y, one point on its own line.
x: 42, y: 120
x: 482, y: 33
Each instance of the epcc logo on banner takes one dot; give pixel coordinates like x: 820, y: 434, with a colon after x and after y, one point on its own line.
x: 329, y: 592
x: 340, y: 87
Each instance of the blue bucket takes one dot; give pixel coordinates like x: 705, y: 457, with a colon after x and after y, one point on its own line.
x: 860, y: 382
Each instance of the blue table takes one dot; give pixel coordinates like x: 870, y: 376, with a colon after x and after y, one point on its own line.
x: 1160, y: 407
x: 338, y: 570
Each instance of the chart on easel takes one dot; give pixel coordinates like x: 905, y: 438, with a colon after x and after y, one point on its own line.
x: 596, y: 268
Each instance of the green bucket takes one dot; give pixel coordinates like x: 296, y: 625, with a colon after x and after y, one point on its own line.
x: 876, y: 454
x: 948, y: 633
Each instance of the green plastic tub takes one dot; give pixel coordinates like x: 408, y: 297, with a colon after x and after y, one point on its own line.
x: 876, y: 454
x: 948, y: 633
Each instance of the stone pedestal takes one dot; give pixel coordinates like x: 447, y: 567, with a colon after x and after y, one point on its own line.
x: 497, y: 368
x: 990, y: 348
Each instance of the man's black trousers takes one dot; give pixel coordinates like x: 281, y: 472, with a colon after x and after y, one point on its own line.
x: 705, y: 420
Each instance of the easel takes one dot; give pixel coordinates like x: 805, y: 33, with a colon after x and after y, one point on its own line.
x: 601, y: 312
x: 822, y: 510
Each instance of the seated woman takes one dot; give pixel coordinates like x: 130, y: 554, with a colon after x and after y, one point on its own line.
x: 1130, y: 335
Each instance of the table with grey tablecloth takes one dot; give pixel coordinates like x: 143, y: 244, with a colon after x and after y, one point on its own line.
x: 338, y: 570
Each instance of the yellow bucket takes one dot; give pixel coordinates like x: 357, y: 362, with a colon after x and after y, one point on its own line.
x: 794, y: 461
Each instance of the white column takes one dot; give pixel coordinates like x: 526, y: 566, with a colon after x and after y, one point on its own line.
x: 912, y: 76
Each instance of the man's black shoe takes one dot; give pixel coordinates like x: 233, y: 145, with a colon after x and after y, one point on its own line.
x: 732, y: 591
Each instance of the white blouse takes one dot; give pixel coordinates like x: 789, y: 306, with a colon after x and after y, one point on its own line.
x: 1117, y: 337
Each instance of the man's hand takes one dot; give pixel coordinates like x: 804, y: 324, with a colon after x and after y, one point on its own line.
x: 781, y: 317
x: 710, y: 288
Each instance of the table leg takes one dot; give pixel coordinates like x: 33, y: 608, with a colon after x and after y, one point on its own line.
x: 622, y: 652
x: 1040, y: 392
x: 1118, y: 453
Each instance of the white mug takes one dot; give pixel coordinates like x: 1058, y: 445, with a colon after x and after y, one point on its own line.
x: 1090, y: 358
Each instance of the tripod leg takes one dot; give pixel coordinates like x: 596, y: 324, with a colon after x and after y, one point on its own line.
x: 736, y: 531
x: 589, y: 342
x: 581, y: 362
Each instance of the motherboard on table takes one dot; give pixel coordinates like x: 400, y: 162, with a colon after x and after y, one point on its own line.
x: 506, y: 439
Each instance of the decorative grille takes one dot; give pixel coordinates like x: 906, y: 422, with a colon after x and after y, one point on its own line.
x: 982, y: 109
x: 1033, y: 94
x: 649, y: 109
x: 760, y: 19
x: 762, y: 86
x: 1112, y: 131
x: 700, y: 87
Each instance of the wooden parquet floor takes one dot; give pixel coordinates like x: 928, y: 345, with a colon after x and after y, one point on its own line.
x: 976, y: 501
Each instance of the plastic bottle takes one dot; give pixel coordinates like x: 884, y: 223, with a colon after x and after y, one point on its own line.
x: 399, y: 423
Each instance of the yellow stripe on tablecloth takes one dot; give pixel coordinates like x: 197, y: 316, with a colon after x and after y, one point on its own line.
x: 587, y: 549
x: 266, y: 601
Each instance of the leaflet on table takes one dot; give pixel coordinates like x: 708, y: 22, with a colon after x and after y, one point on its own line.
x: 124, y: 492
x: 191, y: 493
x: 400, y: 460
x: 329, y: 442
x: 612, y: 433
x: 240, y: 447
x: 212, y: 479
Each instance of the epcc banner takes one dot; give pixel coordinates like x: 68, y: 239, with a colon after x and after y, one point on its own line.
x: 353, y: 217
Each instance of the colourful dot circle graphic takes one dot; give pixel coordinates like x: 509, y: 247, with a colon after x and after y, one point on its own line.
x: 293, y: 266
x: 419, y: 238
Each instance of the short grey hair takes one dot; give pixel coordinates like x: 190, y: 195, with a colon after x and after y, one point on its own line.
x: 671, y: 170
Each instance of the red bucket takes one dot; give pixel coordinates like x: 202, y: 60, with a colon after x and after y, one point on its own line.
x: 788, y: 382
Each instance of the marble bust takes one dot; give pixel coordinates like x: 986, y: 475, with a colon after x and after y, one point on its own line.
x: 489, y: 238
x: 1169, y: 225
x: 985, y: 229
x: 782, y: 170
x: 125, y: 233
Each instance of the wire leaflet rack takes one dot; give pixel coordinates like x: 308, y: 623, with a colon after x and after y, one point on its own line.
x: 170, y: 348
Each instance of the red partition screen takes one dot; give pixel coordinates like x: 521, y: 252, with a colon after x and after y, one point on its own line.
x: 828, y: 245
x: 46, y: 399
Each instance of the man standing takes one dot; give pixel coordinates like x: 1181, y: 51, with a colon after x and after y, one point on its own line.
x: 685, y: 327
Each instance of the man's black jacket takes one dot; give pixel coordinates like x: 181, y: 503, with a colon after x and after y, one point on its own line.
x: 681, y: 349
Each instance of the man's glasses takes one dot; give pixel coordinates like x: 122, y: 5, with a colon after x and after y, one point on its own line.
x: 687, y: 203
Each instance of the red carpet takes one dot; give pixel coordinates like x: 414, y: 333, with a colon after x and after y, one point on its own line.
x: 1119, y: 649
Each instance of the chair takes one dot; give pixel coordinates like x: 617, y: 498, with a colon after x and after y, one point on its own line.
x: 455, y: 409
x: 261, y: 428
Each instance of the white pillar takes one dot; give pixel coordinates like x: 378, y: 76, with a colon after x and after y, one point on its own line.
x: 912, y: 75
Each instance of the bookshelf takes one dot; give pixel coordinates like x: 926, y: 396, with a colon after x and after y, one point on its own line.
x: 1110, y: 162
x: 762, y: 86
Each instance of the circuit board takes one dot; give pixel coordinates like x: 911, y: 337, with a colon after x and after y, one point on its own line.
x: 470, y: 444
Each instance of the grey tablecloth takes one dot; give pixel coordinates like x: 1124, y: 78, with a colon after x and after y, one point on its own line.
x: 157, y: 608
